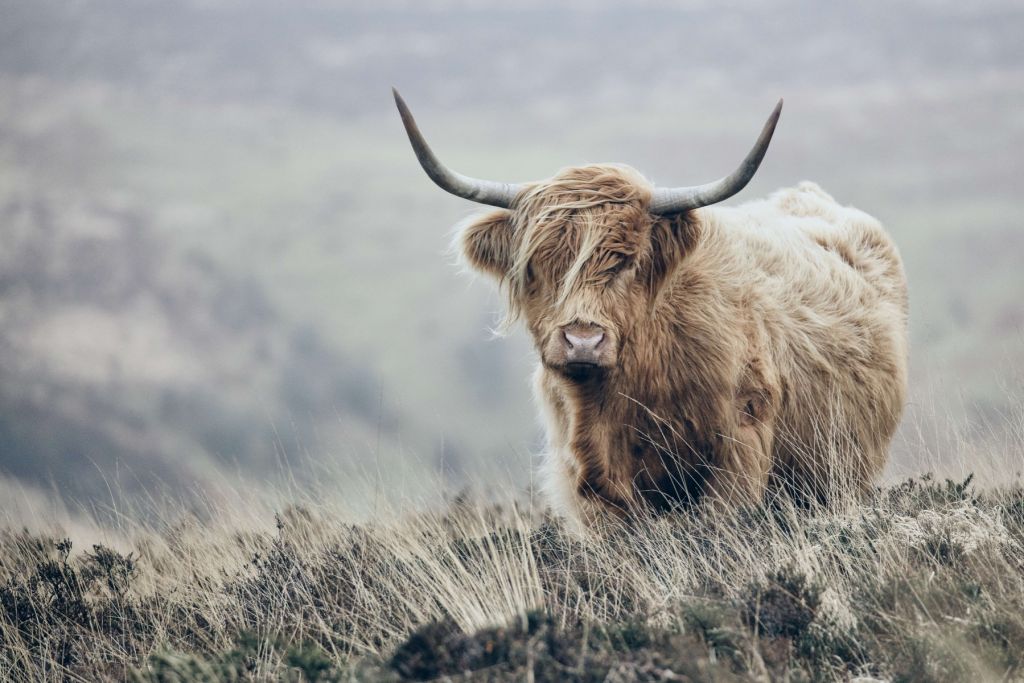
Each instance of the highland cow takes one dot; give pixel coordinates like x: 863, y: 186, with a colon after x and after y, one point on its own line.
x: 693, y: 352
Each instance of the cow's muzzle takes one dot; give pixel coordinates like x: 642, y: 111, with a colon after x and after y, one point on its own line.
x: 583, y: 351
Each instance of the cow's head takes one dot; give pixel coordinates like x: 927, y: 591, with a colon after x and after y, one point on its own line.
x: 582, y: 256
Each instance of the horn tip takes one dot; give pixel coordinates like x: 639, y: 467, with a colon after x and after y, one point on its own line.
x: 403, y: 109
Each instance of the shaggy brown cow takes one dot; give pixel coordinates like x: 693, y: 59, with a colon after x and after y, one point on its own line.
x: 688, y: 351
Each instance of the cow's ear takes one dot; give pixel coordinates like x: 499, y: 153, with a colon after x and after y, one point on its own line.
x: 487, y: 243
x: 672, y: 238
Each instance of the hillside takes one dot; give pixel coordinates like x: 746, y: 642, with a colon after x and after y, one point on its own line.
x: 922, y: 581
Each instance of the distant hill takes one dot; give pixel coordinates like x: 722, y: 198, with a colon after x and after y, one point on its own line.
x: 125, y: 361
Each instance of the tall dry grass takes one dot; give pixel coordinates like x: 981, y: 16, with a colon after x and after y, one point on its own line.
x: 922, y: 579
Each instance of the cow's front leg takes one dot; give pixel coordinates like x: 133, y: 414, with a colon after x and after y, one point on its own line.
x: 741, y: 468
x: 603, y: 480
x: 735, y: 484
x: 583, y: 500
x: 742, y: 463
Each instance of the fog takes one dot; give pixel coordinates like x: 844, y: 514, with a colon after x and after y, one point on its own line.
x: 223, y: 265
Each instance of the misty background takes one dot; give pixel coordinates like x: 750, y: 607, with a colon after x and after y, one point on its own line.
x: 220, y: 261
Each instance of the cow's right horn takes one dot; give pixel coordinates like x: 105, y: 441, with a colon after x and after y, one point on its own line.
x: 481, y: 191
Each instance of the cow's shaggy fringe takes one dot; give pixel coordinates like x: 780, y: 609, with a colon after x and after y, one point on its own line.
x: 575, y: 202
x: 921, y: 580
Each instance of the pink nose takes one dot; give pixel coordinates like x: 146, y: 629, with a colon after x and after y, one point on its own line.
x: 584, y: 341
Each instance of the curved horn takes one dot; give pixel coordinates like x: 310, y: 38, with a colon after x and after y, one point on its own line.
x: 669, y: 200
x: 481, y: 191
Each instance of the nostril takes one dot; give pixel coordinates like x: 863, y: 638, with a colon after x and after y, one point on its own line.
x: 583, y: 342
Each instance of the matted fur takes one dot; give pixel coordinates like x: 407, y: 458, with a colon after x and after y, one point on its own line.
x: 753, y: 346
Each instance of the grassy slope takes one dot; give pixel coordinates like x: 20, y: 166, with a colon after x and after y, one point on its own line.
x: 922, y: 581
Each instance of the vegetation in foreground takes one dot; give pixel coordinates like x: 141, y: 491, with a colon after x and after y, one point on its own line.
x: 923, y: 581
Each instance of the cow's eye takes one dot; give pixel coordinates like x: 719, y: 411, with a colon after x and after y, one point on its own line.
x: 531, y: 277
x: 620, y: 266
x: 611, y: 265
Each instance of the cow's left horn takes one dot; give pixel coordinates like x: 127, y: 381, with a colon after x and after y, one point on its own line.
x: 669, y: 200
x: 482, y: 191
